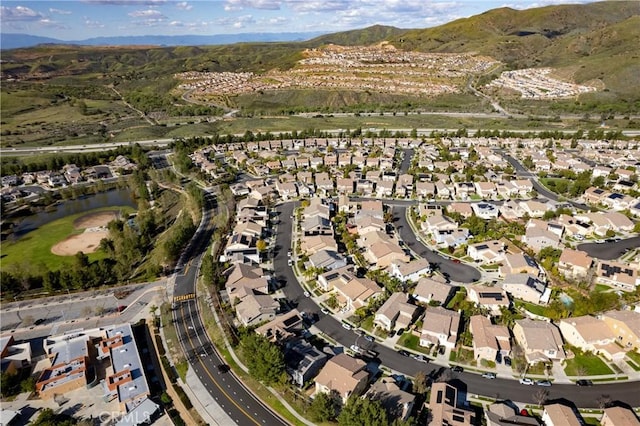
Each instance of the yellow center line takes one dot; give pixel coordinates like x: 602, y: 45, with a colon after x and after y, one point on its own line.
x: 211, y: 376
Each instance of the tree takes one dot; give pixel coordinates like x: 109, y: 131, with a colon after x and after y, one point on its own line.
x: 264, y: 359
x: 322, y: 408
x: 420, y: 382
x: 541, y: 396
x: 261, y: 245
x: 362, y: 412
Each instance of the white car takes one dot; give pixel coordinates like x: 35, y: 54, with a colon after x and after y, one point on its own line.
x: 306, y: 294
x: 526, y: 381
x: 346, y: 326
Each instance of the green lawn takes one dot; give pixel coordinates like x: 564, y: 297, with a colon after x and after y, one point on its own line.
x: 411, y: 341
x: 602, y: 287
x: 634, y: 360
x: 586, y: 365
x: 33, y: 250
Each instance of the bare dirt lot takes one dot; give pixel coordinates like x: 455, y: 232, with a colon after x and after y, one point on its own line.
x: 94, y: 226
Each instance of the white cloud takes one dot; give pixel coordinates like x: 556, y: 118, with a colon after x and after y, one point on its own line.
x: 147, y: 14
x: 232, y: 5
x: 59, y: 11
x: 183, y: 5
x: 127, y: 2
x: 236, y: 22
x: 19, y: 13
x: 322, y: 5
x: 46, y: 22
x: 89, y: 23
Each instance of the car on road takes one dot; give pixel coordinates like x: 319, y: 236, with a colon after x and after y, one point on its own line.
x: 545, y: 383
x: 290, y: 262
x: 306, y: 294
x: 223, y: 368
x: 355, y: 348
x: 346, y: 326
x: 599, y: 241
x: 369, y: 338
x: 489, y: 375
x: 456, y: 260
x: 324, y: 311
x: 420, y: 358
x: 457, y: 369
x: 526, y: 381
x: 39, y: 321
x: 404, y: 353
x: 583, y: 382
x: 289, y: 254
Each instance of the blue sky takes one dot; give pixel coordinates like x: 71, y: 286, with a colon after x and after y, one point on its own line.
x: 80, y: 19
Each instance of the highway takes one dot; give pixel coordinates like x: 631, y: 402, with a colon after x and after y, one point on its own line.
x: 584, y: 397
x: 236, y: 400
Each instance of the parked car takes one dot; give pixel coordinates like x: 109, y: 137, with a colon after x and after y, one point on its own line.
x: 346, y: 326
x: 489, y: 375
x: 290, y: 262
x: 324, y: 311
x: 420, y: 358
x: 507, y: 361
x: 369, y: 338
x: 404, y: 353
x: 457, y: 369
x: 499, y: 358
x: 526, y: 381
x: 306, y: 294
x: 584, y: 382
x: 545, y: 383
x: 358, y: 332
x: 39, y: 321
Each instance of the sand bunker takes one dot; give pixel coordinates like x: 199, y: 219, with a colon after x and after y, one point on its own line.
x: 94, y: 225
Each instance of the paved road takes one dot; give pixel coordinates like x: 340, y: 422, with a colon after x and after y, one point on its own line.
x: 237, y: 401
x: 521, y: 171
x: 612, y: 250
x: 497, y: 388
x: 458, y: 272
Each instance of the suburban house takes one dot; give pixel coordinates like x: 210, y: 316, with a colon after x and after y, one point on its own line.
x: 395, y: 312
x: 446, y: 407
x: 503, y: 413
x: 539, y: 236
x: 282, y: 327
x: 303, y: 362
x: 343, y: 374
x: 327, y: 259
x: 625, y: 326
x: 518, y: 263
x: 452, y: 238
x: 487, y: 252
x: 574, y: 264
x: 410, y: 271
x: 429, y: 289
x: 438, y: 222
x: 540, y: 340
x: 591, y: 334
x: 485, y: 210
x: 527, y: 287
x: 619, y: 416
x: 560, y: 415
x: 383, y: 253
x: 314, y: 243
x: 618, y: 275
x: 356, y: 292
x: 396, y: 402
x: 489, y: 298
x: 440, y: 327
x: 245, y: 279
x: 489, y: 339
x: 254, y: 309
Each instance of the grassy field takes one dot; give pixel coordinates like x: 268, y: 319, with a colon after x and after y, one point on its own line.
x: 411, y: 341
x: 33, y: 250
x: 586, y: 365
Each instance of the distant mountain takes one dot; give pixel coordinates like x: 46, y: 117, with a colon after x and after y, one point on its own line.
x: 365, y: 36
x: 13, y: 41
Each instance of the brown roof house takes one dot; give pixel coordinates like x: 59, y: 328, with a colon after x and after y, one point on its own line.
x: 489, y: 339
x: 446, y: 407
x: 343, y: 374
x: 396, y: 312
x: 560, y: 415
x: 574, y: 264
x: 625, y: 326
x: 619, y: 416
x: 429, y: 289
x: 540, y: 340
x: 618, y: 275
x: 440, y: 327
x: 591, y: 334
x: 489, y: 298
x: 397, y: 402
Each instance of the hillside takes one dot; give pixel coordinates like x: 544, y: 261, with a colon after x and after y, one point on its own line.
x: 362, y: 37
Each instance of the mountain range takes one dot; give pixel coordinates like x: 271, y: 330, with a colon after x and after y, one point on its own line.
x: 14, y: 40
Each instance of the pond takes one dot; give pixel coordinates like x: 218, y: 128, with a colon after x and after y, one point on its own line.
x: 114, y: 197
